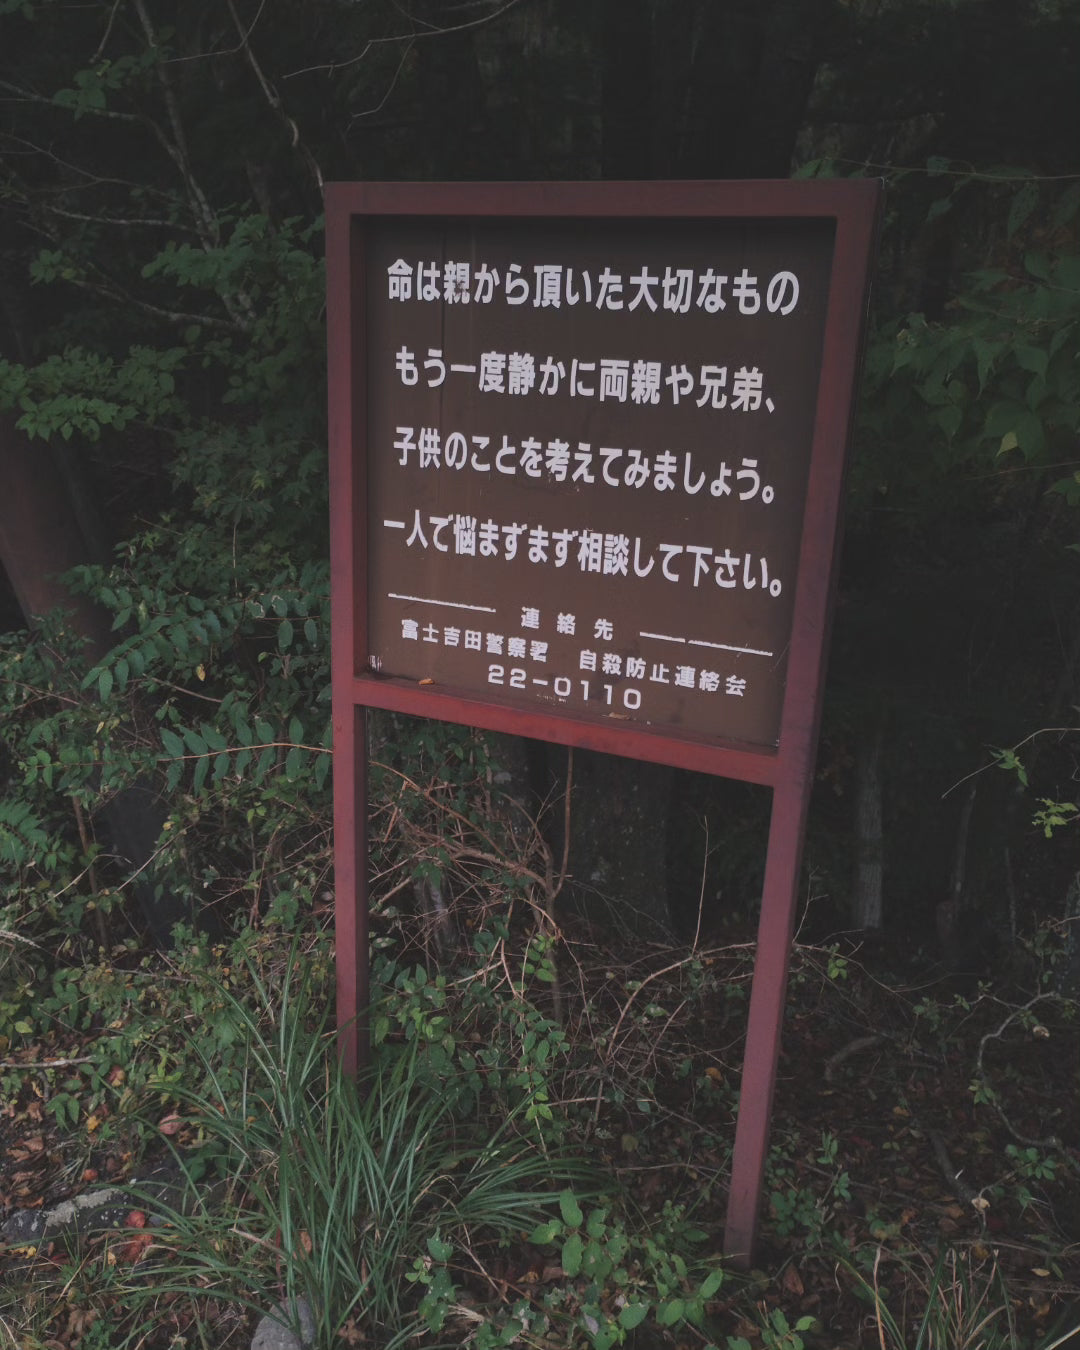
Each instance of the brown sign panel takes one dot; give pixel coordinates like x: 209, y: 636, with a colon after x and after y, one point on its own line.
x: 587, y: 457
x: 587, y: 446
x: 584, y: 423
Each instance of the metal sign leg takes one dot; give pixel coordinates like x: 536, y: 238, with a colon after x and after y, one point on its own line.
x: 775, y: 929
x: 351, y: 886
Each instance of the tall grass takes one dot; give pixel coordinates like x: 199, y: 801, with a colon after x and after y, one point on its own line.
x: 344, y: 1194
x: 954, y: 1301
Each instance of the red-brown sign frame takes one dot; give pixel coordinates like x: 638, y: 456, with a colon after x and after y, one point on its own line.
x: 787, y: 768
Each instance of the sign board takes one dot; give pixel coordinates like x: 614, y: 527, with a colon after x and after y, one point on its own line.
x: 587, y: 449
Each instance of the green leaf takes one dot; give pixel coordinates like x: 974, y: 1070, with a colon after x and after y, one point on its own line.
x: 285, y: 634
x: 671, y: 1311
x: 571, y: 1255
x: 195, y: 742
x: 174, y: 746
x: 439, y: 1250
x: 1008, y: 442
x: 1037, y: 265
x: 214, y: 739
x: 633, y: 1315
x: 1034, y: 359
x: 1029, y: 433
x: 1022, y: 206
x: 570, y: 1210
x: 546, y: 1233
x: 985, y: 355
x: 1066, y: 207
x: 105, y: 683
x: 711, y: 1284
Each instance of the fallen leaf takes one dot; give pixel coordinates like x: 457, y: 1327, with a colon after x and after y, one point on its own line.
x: 132, y: 1252
x: 792, y: 1282
x: 171, y: 1124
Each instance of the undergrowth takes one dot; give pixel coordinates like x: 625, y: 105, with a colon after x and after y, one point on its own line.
x: 541, y: 1153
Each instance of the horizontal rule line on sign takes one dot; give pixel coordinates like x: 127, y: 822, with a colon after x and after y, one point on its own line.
x: 446, y: 604
x: 700, y: 642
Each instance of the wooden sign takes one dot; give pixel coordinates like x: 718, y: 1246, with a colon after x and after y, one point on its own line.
x: 587, y: 450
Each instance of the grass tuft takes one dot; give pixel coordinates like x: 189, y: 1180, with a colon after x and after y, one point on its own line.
x: 354, y: 1197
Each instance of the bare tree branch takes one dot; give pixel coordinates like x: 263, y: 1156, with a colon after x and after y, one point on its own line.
x: 272, y: 97
x: 429, y: 30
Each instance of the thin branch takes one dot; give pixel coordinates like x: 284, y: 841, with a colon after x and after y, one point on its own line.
x: 846, y: 1051
x: 177, y: 316
x: 1043, y: 731
x: 31, y: 97
x: 470, y: 825
x: 567, y: 801
x: 106, y: 35
x: 431, y: 31
x: 93, y: 179
x: 126, y: 223
x: 378, y: 107
x: 178, y: 150
x: 1052, y: 1141
x: 45, y: 1063
x: 272, y: 97
x: 235, y: 749
x: 981, y: 175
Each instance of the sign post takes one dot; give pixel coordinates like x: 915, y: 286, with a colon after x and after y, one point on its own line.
x: 587, y: 453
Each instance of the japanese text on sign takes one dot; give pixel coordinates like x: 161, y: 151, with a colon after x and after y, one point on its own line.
x: 544, y: 413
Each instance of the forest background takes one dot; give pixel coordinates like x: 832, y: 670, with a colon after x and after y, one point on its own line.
x: 165, y: 749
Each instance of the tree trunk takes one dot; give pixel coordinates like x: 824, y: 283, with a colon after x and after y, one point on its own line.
x: 868, y: 894
x: 45, y: 530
